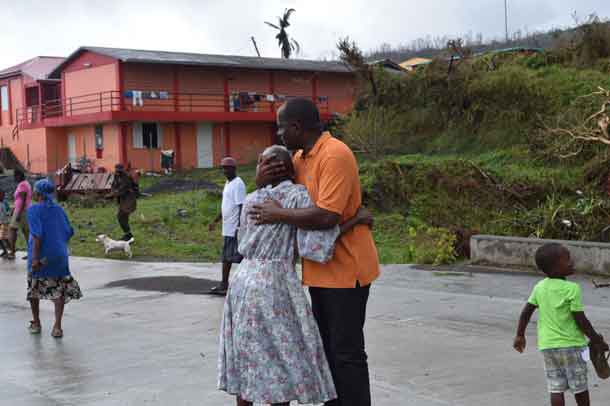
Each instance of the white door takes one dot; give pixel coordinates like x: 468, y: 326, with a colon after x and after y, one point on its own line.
x: 205, y: 154
x: 72, y: 149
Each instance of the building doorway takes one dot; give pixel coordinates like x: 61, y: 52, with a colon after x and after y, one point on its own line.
x: 205, y: 154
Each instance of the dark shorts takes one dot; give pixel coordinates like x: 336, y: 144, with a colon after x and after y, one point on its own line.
x: 229, y: 251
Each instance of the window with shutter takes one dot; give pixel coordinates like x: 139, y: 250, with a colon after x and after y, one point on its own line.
x: 159, y: 136
x: 150, y: 135
x: 138, y: 141
x: 147, y: 135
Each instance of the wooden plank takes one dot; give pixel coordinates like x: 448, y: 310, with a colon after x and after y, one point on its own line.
x: 89, y: 182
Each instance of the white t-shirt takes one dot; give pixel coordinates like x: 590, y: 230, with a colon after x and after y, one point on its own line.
x: 233, y: 196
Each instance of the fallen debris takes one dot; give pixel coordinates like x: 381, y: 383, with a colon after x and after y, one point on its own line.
x: 600, y: 285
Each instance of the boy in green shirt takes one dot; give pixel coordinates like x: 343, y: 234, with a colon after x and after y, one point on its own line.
x: 562, y: 326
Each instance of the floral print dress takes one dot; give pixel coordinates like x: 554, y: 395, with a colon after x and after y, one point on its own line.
x: 270, y: 346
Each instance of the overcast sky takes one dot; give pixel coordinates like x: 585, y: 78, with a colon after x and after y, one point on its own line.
x: 57, y: 27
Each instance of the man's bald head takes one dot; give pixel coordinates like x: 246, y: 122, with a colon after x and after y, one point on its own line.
x: 298, y: 123
x: 303, y: 111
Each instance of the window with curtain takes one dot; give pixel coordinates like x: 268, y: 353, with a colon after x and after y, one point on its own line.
x: 147, y: 136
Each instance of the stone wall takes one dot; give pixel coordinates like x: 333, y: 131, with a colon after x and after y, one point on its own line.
x: 589, y: 257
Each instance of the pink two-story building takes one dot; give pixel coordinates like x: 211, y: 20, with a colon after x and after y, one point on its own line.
x: 111, y: 105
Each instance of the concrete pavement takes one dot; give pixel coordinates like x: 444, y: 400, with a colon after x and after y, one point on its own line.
x: 433, y: 339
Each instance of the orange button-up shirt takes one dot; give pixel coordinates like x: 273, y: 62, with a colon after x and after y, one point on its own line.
x: 330, y: 173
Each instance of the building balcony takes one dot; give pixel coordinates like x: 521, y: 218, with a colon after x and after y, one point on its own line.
x: 112, y: 106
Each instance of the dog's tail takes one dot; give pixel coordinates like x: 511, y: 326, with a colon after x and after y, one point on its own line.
x: 131, y: 240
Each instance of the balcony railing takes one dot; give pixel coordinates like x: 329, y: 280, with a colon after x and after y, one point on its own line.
x: 114, y: 101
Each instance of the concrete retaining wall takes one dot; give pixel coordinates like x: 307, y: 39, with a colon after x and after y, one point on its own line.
x: 490, y: 249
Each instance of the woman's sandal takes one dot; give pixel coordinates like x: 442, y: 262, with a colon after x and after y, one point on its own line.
x: 218, y: 291
x: 34, y: 328
x: 57, y: 333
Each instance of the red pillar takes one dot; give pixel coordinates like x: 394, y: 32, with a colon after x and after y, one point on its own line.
x: 272, y: 89
x: 40, y: 94
x: 178, y: 145
x: 63, y: 94
x: 227, y: 139
x: 120, y: 86
x: 314, y: 88
x: 123, y: 144
x: 175, y: 88
x: 10, y: 103
x: 226, y: 93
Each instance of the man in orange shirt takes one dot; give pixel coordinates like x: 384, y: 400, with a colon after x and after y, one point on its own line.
x: 340, y: 288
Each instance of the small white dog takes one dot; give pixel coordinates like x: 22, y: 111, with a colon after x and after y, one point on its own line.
x: 113, y: 245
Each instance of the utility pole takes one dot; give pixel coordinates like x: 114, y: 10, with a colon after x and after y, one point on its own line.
x: 255, y: 46
x: 506, y: 18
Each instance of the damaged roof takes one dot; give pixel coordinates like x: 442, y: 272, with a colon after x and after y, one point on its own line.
x: 38, y: 68
x: 224, y: 61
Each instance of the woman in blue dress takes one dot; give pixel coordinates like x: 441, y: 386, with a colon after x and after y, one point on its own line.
x: 49, y: 275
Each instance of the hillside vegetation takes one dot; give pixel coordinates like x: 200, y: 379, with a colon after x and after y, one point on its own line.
x: 486, y: 144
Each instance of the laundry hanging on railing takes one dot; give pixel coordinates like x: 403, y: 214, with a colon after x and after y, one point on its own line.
x: 138, y: 99
x: 138, y: 96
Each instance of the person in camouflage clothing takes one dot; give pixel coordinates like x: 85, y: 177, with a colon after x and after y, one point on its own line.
x: 125, y: 190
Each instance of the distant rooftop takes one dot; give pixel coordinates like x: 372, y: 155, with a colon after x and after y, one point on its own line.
x: 225, y: 61
x: 38, y: 68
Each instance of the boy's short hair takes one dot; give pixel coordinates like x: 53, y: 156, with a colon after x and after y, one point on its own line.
x: 548, y: 255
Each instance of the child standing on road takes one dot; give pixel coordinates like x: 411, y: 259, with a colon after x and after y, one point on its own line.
x: 5, y: 219
x: 562, y: 326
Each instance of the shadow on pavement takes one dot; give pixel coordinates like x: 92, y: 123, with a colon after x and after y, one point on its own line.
x: 167, y: 284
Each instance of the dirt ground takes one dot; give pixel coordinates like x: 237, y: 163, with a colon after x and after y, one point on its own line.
x: 166, y: 185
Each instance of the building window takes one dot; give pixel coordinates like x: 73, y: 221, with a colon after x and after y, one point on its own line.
x: 150, y: 135
x: 4, y: 97
x: 99, y: 141
x: 99, y: 137
x: 147, y: 136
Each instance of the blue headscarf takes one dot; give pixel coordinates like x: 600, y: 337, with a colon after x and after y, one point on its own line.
x: 45, y: 188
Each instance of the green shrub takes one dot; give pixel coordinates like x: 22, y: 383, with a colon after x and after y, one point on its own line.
x: 432, y: 245
x: 376, y: 131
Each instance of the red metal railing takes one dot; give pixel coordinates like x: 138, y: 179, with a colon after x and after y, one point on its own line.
x: 114, y: 101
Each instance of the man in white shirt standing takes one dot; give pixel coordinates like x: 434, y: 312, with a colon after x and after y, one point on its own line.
x: 233, y: 196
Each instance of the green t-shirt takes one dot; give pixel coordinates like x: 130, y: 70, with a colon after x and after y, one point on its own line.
x: 556, y: 299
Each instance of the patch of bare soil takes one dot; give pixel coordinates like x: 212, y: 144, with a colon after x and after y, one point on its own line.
x: 167, y: 185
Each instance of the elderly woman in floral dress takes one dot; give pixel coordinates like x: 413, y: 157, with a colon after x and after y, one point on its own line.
x: 270, y: 347
x: 49, y: 275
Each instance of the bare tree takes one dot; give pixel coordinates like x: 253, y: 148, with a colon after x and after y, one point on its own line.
x: 593, y: 129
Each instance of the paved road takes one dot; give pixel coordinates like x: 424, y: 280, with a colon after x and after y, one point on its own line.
x: 433, y: 338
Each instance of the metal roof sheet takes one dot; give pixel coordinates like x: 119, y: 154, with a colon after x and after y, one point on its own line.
x: 227, y: 61
x: 38, y: 68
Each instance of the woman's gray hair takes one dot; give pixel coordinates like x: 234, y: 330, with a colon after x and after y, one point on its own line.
x: 280, y: 152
